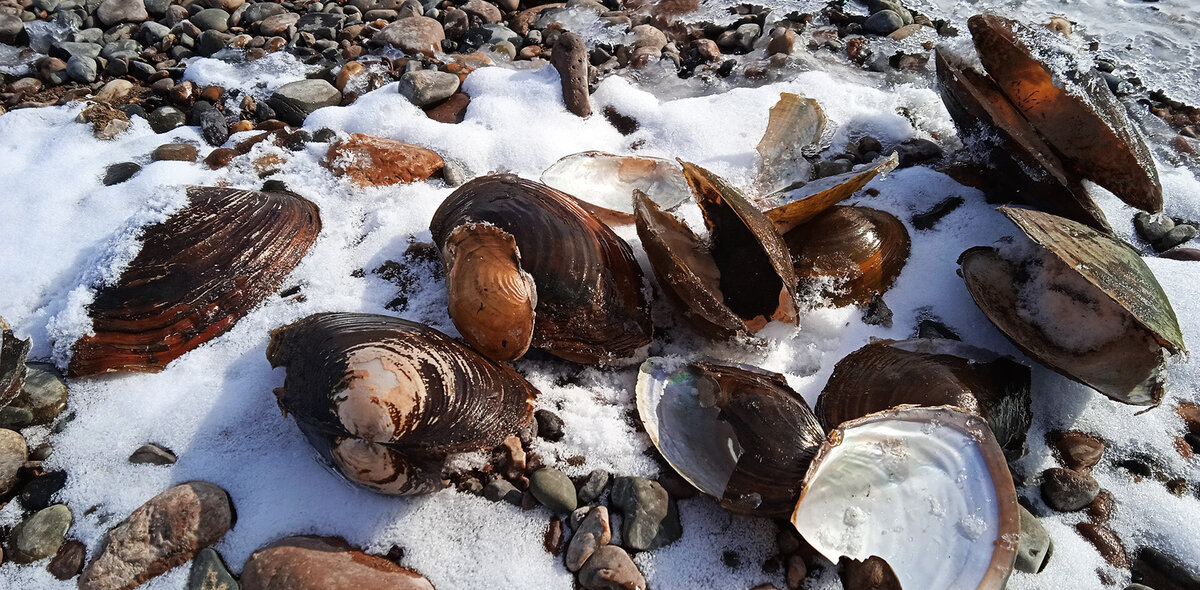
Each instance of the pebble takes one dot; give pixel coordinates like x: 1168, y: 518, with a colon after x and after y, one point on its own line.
x: 375, y: 161
x: 651, y: 519
x: 13, y: 418
x: 591, y: 534
x: 152, y: 454
x: 68, y: 561
x: 277, y: 24
x: 918, y: 151
x: 120, y: 172
x: 797, y: 571
x: 166, y: 118
x: 114, y: 91
x: 707, y: 49
x: 427, y: 87
x: 260, y: 11
x: 294, y: 101
x: 486, y: 11
x: 1034, y: 545
x: 177, y: 152
x: 111, y: 12
x: 209, y: 572
x: 1076, y: 450
x: 1106, y: 542
x: 40, y: 535
x: 554, y: 490
x: 782, y: 43
x: 884, y: 22
x: 611, y: 568
x: 906, y: 16
x: 43, y: 394
x: 211, y: 19
x: 39, y: 491
x: 591, y: 489
x: 1152, y: 226
x: 82, y: 69
x: 322, y: 563
x: 211, y: 41
x: 213, y: 127
x: 570, y: 58
x: 648, y: 36
x: 1067, y: 491
x: 550, y: 426
x: 500, y: 489
x: 1179, y: 234
x: 166, y: 531
x: 11, y: 27
x: 13, y: 454
x: 413, y: 35
x: 872, y: 573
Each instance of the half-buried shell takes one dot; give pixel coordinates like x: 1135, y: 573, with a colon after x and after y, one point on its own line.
x: 1070, y: 106
x: 795, y: 124
x: 604, y: 183
x: 925, y: 489
x: 197, y: 274
x: 528, y: 266
x: 12, y: 363
x: 738, y: 281
x: 386, y: 400
x: 931, y: 372
x: 861, y: 250
x: 1081, y: 302
x: 737, y: 433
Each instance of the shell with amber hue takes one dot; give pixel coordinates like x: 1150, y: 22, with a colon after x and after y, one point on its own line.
x: 197, y: 273
x: 386, y: 400
x: 586, y: 287
x: 862, y: 249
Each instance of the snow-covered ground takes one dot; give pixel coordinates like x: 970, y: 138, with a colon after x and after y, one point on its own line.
x: 61, y: 231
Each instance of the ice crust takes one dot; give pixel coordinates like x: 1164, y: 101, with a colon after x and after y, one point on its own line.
x: 214, y: 407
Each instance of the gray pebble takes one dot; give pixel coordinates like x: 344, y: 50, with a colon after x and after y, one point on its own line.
x: 294, y: 101
x: 1178, y: 235
x: 1152, y: 227
x: 594, y: 486
x: 500, y: 489
x: 884, y: 22
x: 166, y: 118
x: 111, y: 12
x: 82, y: 69
x: 651, y: 517
x: 44, y: 393
x: 211, y: 19
x: 553, y: 489
x: 214, y: 127
x: 153, y: 454
x: 427, y: 87
x: 1067, y: 491
x: 550, y: 426
x: 40, y: 535
x: 120, y: 172
x: 591, y: 534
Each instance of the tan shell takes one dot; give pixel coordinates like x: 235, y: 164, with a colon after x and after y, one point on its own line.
x: 491, y: 298
x: 862, y: 249
x: 589, y: 302
x: 1073, y: 110
x: 386, y: 400
x: 794, y: 207
x: 197, y: 274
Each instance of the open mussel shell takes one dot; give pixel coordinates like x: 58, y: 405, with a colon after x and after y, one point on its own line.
x: 1081, y: 302
x: 1072, y: 109
x: 1019, y: 162
x: 604, y: 182
x: 790, y: 208
x: 734, y: 284
x: 588, y: 301
x: 931, y: 372
x: 386, y: 400
x: 197, y: 273
x: 796, y: 122
x: 925, y: 489
x: 861, y: 249
x: 12, y: 363
x: 737, y: 433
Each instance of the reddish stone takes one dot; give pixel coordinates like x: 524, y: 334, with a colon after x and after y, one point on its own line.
x: 1106, y: 542
x: 451, y: 110
x: 374, y: 161
x: 324, y: 563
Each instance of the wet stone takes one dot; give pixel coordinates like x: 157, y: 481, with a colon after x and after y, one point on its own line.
x: 1067, y: 491
x: 427, y: 87
x: 918, y: 151
x: 213, y: 127
x: 120, y: 172
x: 929, y: 219
x: 211, y: 19
x: 166, y: 118
x: 651, y: 519
x: 152, y: 454
x: 1034, y: 546
x: 553, y: 489
x: 178, y: 152
x: 1076, y: 450
x: 1178, y: 235
x: 1106, y: 542
x: 884, y: 22
x: 294, y: 101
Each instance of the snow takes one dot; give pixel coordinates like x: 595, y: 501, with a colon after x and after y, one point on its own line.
x: 63, y: 233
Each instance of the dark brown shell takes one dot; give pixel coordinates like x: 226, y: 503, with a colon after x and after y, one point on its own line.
x: 386, y: 400
x: 1130, y: 368
x: 1086, y: 124
x: 739, y: 408
x: 931, y: 372
x: 590, y: 305
x: 12, y: 363
x: 197, y: 274
x: 1020, y: 162
x: 863, y: 249
x: 739, y: 283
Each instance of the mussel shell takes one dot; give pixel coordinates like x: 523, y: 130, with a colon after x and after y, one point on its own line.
x: 1108, y: 263
x: 590, y: 305
x: 604, y: 183
x: 863, y: 249
x: 386, y: 399
x: 925, y: 489
x: 1020, y: 161
x: 793, y: 207
x: 931, y: 372
x: 795, y: 122
x: 757, y: 279
x: 737, y: 433
x: 1073, y: 110
x: 12, y: 363
x: 197, y: 273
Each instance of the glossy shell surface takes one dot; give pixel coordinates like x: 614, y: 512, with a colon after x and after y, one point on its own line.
x: 862, y: 249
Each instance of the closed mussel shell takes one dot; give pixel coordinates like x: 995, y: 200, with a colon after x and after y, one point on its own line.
x: 862, y: 249
x: 386, y: 400
x: 931, y: 372
x: 197, y: 273
x: 589, y: 302
x: 1081, y: 302
x: 737, y: 433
